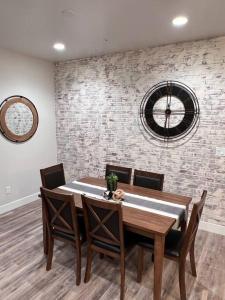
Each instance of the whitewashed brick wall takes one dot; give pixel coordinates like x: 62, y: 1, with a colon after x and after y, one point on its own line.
x: 97, y: 102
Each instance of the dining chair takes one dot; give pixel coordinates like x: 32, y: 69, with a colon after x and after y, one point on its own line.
x: 105, y: 234
x: 177, y: 246
x: 148, y: 180
x: 123, y: 173
x: 62, y: 224
x: 51, y: 177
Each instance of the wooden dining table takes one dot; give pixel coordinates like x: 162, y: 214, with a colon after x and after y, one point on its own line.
x: 149, y: 224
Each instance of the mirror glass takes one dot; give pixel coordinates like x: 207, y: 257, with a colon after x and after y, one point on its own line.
x: 19, y: 119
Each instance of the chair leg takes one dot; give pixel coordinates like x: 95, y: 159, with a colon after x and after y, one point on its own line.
x: 45, y: 230
x: 122, y: 278
x: 88, y: 265
x: 192, y: 260
x: 78, y: 265
x: 45, y: 239
x: 140, y: 263
x: 50, y: 253
x: 182, y: 280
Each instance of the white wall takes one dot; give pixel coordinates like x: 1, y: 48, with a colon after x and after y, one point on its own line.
x: 20, y: 163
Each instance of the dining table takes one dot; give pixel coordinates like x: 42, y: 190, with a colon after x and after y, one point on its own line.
x: 153, y: 214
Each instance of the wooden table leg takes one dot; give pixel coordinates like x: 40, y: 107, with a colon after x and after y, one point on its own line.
x: 158, y: 265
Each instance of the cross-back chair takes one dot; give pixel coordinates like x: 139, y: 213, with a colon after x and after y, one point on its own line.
x: 148, y: 180
x: 51, y: 178
x: 177, y: 246
x: 123, y: 173
x: 62, y: 224
x: 105, y: 234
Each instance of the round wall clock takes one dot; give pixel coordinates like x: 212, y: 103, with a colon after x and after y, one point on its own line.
x: 169, y: 111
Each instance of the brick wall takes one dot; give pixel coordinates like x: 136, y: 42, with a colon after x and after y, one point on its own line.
x: 97, y: 102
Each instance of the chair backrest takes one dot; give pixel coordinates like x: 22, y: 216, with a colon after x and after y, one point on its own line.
x: 123, y: 173
x: 60, y: 212
x: 148, y: 180
x: 103, y: 221
x: 53, y: 177
x: 189, y: 236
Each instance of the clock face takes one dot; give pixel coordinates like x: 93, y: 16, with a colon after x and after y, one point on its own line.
x: 169, y: 111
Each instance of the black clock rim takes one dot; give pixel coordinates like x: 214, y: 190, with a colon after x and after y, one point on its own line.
x: 189, y: 101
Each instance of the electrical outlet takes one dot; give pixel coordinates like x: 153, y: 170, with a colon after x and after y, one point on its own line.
x: 8, y: 189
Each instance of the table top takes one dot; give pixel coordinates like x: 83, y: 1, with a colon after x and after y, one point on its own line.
x: 137, y: 219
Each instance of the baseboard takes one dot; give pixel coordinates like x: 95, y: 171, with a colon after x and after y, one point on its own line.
x: 214, y: 228
x: 17, y: 203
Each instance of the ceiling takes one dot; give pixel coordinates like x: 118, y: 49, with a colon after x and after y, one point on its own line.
x: 96, y: 27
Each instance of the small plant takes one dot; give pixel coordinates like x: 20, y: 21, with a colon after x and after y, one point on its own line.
x: 112, y: 182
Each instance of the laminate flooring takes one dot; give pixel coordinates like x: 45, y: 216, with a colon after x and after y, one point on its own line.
x: 23, y: 275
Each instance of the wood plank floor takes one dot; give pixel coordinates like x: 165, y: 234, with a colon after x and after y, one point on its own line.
x: 23, y: 275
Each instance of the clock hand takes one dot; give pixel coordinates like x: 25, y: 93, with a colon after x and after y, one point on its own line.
x: 170, y: 98
x: 168, y: 126
x: 165, y: 121
x: 159, y: 111
x: 182, y: 112
x: 167, y: 96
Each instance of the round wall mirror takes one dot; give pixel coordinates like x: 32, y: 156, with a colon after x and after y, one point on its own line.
x: 18, y: 119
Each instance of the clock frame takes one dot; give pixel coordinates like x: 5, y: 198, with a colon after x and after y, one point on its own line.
x: 187, y: 112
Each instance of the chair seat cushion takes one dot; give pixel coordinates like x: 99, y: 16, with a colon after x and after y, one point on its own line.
x: 130, y: 240
x: 64, y: 235
x: 106, y: 246
x: 173, y: 243
x: 69, y: 236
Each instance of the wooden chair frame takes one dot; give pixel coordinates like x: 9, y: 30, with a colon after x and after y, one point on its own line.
x: 118, y: 168
x: 188, y: 244
x: 44, y: 173
x: 72, y: 229
x: 88, y: 203
x: 150, y: 175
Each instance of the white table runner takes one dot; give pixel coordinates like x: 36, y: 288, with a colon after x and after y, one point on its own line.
x: 160, y: 207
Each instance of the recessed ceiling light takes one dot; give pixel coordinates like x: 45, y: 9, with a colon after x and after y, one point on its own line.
x: 180, y: 21
x: 59, y: 46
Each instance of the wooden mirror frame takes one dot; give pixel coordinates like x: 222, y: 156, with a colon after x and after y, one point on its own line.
x: 3, y: 126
